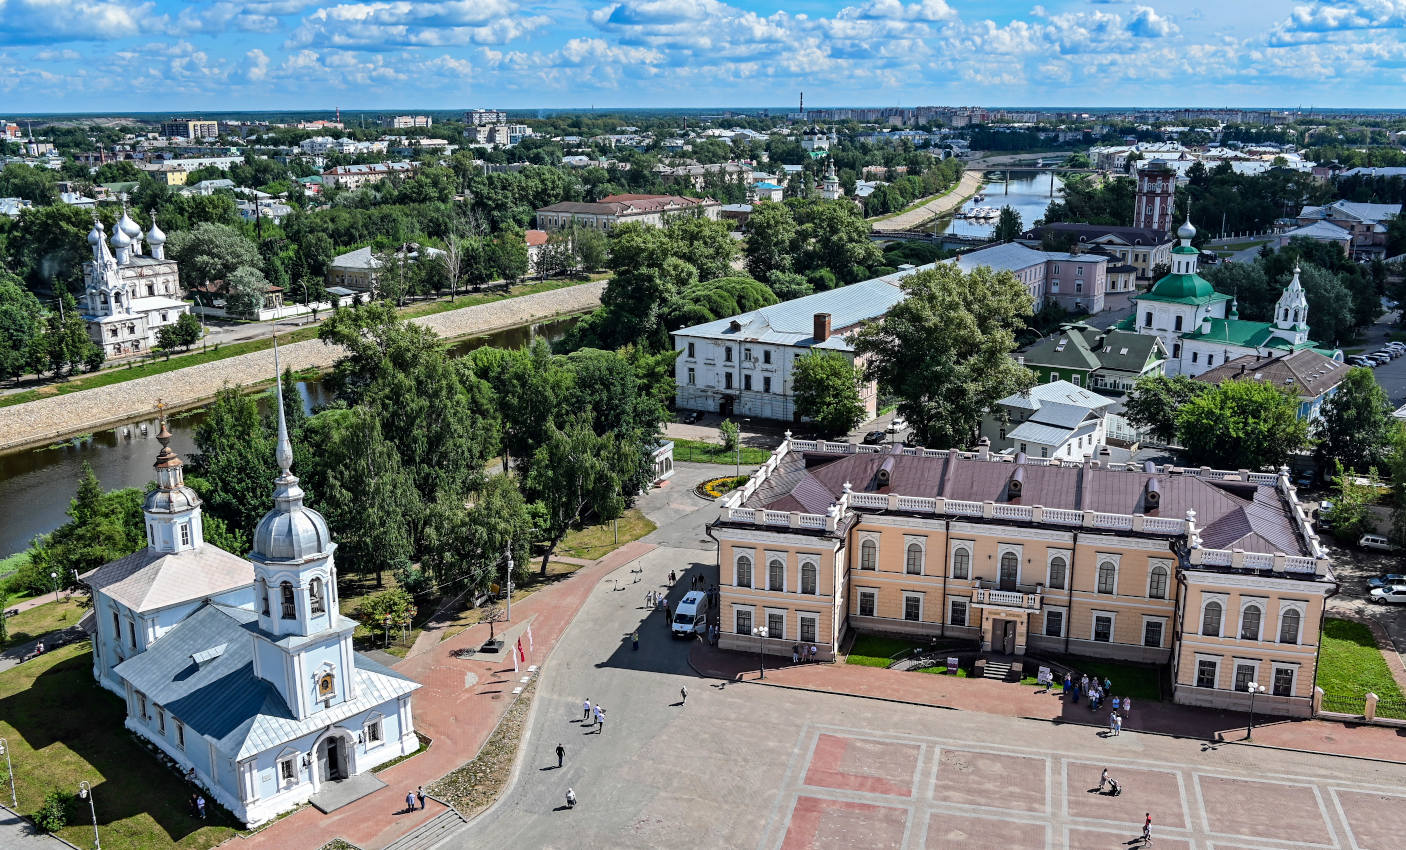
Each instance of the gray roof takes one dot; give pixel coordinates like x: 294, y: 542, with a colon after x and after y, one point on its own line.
x: 1321, y: 230
x: 221, y: 699
x: 1013, y: 257
x: 1060, y: 393
x: 792, y: 322
x: 364, y: 258
x: 1352, y: 210
x: 1093, y: 232
x: 149, y: 580
x: 1036, y: 432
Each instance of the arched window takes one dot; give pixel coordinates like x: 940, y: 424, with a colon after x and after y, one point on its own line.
x: 1289, y: 626
x: 1250, y: 623
x: 263, y: 588
x: 1147, y: 320
x: 1176, y: 351
x: 1296, y: 315
x: 775, y: 575
x: 1157, y: 587
x: 914, y: 562
x: 1210, y: 619
x: 808, y: 576
x: 868, y: 555
x: 961, y: 563
x: 1057, y: 568
x: 744, y: 571
x: 1107, y: 577
x: 316, y: 598
x: 290, y: 610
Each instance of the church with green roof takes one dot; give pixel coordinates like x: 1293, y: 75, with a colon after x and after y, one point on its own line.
x: 1201, y: 328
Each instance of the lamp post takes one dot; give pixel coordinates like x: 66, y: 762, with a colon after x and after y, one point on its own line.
x: 760, y: 632
x: 85, y: 791
x: 9, y: 772
x: 1254, y: 688
x: 510, y: 583
x: 204, y: 341
x: 55, y: 577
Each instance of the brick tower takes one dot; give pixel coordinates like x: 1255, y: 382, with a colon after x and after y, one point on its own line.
x: 1156, y: 191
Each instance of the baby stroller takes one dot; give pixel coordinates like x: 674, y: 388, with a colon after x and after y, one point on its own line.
x: 1114, y: 788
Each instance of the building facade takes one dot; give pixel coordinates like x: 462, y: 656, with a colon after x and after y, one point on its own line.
x: 1365, y: 223
x: 404, y: 122
x: 1087, y: 356
x: 1217, y: 575
x: 1156, y: 196
x: 128, y: 296
x: 651, y: 210
x: 1053, y: 420
x: 1076, y: 282
x: 240, y: 671
x: 356, y: 176
x: 480, y: 117
x: 1141, y: 248
x: 185, y: 128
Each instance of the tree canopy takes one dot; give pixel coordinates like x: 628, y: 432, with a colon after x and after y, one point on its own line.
x: 1241, y: 425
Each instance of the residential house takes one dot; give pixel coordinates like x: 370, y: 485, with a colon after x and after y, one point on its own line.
x: 356, y: 176
x: 1086, y: 356
x: 1218, y: 576
x: 1142, y: 248
x: 1366, y: 222
x: 1306, y: 373
x: 1075, y: 282
x: 652, y: 210
x: 356, y: 270
x: 1318, y: 231
x: 1058, y: 419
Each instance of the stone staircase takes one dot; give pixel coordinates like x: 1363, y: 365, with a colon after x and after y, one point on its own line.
x: 430, y: 833
x: 998, y: 670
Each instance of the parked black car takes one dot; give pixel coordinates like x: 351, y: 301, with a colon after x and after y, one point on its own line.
x: 875, y: 437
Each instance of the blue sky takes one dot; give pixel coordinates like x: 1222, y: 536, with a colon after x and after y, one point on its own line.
x: 158, y: 55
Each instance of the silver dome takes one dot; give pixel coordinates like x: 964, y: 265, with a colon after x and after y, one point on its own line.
x: 171, y: 501
x: 296, y: 534
x: 1186, y: 231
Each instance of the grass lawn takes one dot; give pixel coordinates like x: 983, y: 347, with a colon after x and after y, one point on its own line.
x: 942, y: 671
x: 1351, y: 665
x: 13, y: 562
x: 598, y: 541
x: 696, y: 451
x: 441, y: 305
x: 63, y: 729
x: 40, y: 620
x: 1129, y: 680
x: 874, y: 651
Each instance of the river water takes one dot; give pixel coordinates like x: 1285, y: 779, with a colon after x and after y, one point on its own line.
x: 37, y: 485
x: 1029, y: 192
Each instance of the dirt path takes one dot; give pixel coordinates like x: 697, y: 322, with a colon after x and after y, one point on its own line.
x: 965, y: 188
x: 48, y: 419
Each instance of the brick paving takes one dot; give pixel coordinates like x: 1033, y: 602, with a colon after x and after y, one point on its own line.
x: 1014, y: 700
x: 457, y: 718
x: 56, y: 416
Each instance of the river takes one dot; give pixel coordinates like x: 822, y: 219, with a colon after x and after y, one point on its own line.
x: 37, y: 485
x: 1028, y: 192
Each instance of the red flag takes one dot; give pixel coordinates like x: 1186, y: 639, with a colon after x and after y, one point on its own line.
x: 521, y: 656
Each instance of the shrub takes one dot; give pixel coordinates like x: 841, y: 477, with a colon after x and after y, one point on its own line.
x: 730, y: 434
x: 397, y: 602
x: 53, y: 815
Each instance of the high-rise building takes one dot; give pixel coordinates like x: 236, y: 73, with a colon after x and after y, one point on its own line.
x: 186, y: 128
x: 1156, y: 193
x: 481, y: 117
x: 402, y: 122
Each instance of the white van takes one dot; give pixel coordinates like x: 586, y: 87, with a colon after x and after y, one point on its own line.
x: 691, y: 617
x: 1375, y: 541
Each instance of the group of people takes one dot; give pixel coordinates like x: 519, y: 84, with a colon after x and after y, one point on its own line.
x: 799, y: 653
x: 412, y: 796
x: 593, y: 714
x: 1097, y: 692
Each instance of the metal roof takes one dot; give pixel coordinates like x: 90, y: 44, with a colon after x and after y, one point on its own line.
x: 222, y: 700
x: 149, y: 579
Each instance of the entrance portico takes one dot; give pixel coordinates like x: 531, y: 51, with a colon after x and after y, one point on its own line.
x: 1005, y: 613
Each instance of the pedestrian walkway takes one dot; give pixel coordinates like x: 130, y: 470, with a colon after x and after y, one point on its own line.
x: 1015, y: 700
x: 459, y: 705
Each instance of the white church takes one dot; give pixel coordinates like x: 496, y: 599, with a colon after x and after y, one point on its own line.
x: 128, y: 295
x: 1201, y: 327
x: 242, y: 671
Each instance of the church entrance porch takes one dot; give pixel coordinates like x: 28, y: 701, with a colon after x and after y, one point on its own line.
x: 334, y: 758
x: 335, y: 795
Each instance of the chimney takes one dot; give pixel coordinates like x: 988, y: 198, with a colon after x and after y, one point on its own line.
x: 821, y: 330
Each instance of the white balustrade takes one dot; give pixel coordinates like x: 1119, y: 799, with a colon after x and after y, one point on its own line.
x: 812, y: 521
x: 805, y: 445
x: 1118, y: 522
x: 1163, y: 525
x: 958, y: 508
x: 1258, y: 561
x: 1300, y: 564
x: 742, y: 514
x: 1216, y: 557
x: 1265, y: 478
x: 1013, y: 512
x: 1060, y: 516
x: 917, y: 504
x: 776, y: 518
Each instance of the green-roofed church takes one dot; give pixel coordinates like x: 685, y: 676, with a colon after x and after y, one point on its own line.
x: 1200, y: 326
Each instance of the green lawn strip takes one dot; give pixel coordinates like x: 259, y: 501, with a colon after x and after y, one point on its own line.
x: 474, y: 786
x: 925, y: 200
x: 876, y: 651
x: 40, y: 620
x: 697, y: 451
x: 598, y: 541
x: 63, y: 729
x: 942, y: 671
x: 1350, y: 665
x: 13, y: 562
x: 473, y: 299
x: 1129, y: 680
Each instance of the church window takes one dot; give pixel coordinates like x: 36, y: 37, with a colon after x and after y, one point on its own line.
x: 185, y: 534
x: 373, y: 733
x: 287, y: 769
x: 290, y: 611
x: 317, y: 597
x: 1296, y: 315
x: 1177, y: 325
x: 1194, y: 356
x: 1210, y: 359
x: 180, y: 734
x: 1176, y: 351
x: 132, y: 634
x: 1147, y: 320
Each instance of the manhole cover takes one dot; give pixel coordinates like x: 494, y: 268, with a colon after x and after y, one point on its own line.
x: 470, y: 679
x: 496, y: 696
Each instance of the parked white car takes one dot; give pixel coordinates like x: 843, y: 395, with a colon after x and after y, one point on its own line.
x: 1391, y: 595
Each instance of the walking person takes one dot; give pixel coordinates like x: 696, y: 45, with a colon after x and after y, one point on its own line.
x: 813, y: 659
x: 1112, y: 721
x: 600, y: 719
x: 1107, y: 683
x: 1068, y: 684
x: 796, y: 653
x: 1103, y: 779
x: 410, y: 801
x: 570, y: 799
x: 200, y: 806
x: 1127, y: 706
x: 683, y: 695
x: 635, y: 640
x: 561, y: 754
x: 1117, y: 723
x: 1147, y: 830
x: 587, y: 715
x: 420, y: 795
x: 1084, y: 683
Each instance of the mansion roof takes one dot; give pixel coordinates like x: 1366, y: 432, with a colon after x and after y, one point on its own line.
x: 629, y: 205
x: 150, y: 579
x: 1307, y: 373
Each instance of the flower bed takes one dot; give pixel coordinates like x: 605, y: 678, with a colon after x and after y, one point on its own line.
x: 716, y: 488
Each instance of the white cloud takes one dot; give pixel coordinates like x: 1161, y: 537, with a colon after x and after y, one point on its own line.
x: 389, y: 25
x: 1146, y: 23
x: 257, y: 65
x: 48, y: 21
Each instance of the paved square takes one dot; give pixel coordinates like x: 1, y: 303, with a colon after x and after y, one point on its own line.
x: 991, y: 779
x: 969, y: 832
x: 1098, y: 839
x: 1156, y: 791
x: 863, y: 764
x: 1376, y: 821
x: 1283, y: 811
x: 839, y: 825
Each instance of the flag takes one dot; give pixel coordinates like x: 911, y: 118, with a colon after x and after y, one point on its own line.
x: 514, y: 655
x: 529, y: 639
x: 521, y: 656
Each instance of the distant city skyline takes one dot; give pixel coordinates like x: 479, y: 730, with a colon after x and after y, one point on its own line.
x: 161, y: 56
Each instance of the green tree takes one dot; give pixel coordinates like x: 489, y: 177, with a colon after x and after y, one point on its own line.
x: 65, y: 344
x: 708, y: 300
x: 944, y: 350
x: 577, y: 474
x: 730, y: 434
x: 234, y: 465
x: 832, y: 235
x: 102, y: 527
x: 245, y: 290
x: 1355, y: 425
x: 209, y: 252
x: 468, y: 544
x: 183, y: 334
x: 704, y: 243
x: 1351, y: 516
x: 591, y: 248
x: 1153, y: 402
x: 21, y: 328
x: 789, y: 285
x: 1241, y: 425
x: 1008, y: 226
x: 826, y: 388
x: 771, y: 234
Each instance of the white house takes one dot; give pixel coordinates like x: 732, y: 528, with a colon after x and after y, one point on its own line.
x: 242, y: 671
x: 1054, y: 420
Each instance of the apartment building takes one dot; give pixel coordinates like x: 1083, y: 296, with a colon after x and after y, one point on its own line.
x: 480, y: 117
x: 1076, y: 282
x: 611, y: 210
x: 1216, y: 574
x: 186, y: 128
x: 356, y: 176
x: 405, y: 122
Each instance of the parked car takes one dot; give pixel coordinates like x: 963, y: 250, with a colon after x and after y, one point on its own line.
x: 691, y: 417
x: 875, y: 437
x: 1387, y: 580
x: 1391, y: 595
x: 898, y: 424
x: 1377, y: 541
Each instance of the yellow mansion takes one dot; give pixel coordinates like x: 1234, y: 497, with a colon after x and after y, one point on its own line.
x: 1218, y: 574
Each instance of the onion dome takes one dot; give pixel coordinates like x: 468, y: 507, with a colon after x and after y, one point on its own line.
x: 154, y: 236
x: 120, y: 239
x: 129, y: 227
x: 171, y: 494
x: 1186, y: 231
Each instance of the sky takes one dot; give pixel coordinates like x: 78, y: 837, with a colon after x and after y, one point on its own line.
x: 124, y: 56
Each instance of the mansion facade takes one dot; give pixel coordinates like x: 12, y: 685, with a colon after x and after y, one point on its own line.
x: 1217, y: 574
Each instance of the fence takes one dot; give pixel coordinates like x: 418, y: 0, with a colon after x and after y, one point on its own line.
x: 1345, y: 704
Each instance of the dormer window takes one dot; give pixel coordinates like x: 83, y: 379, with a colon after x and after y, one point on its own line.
x: 290, y: 610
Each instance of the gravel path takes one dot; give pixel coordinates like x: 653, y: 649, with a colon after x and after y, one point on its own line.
x: 965, y: 188
x: 48, y: 419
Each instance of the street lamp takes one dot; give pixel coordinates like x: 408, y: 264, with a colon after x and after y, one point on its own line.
x: 1253, y: 688
x: 55, y: 577
x: 760, y: 632
x: 204, y: 342
x: 10, y: 772
x: 510, y: 583
x: 85, y: 791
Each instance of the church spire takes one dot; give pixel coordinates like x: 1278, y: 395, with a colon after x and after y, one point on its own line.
x: 172, y: 510
x: 284, y: 452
